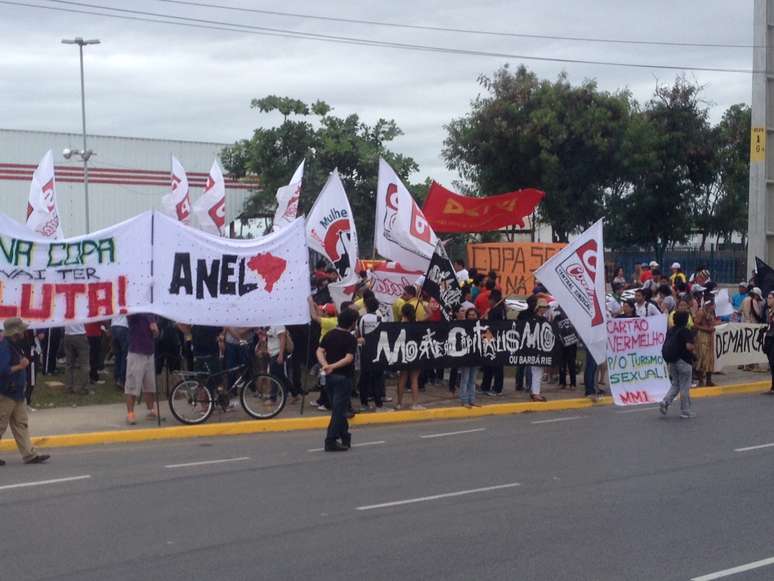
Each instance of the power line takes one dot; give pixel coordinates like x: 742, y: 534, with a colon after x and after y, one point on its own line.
x: 158, y: 18
x: 455, y: 30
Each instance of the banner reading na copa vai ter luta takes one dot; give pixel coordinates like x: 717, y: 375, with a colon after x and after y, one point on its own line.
x: 637, y: 370
x: 463, y: 344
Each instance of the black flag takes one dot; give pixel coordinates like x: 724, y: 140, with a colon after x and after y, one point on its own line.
x: 441, y: 283
x: 765, y: 277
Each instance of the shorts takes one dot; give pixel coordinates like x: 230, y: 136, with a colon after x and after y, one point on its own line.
x: 140, y: 374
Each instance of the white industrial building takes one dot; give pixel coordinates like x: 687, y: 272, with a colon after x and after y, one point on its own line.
x: 126, y: 175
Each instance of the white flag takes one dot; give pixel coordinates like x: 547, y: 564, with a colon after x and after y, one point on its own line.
x: 575, y: 276
x: 287, y: 199
x: 42, y: 211
x: 177, y: 203
x: 330, y: 228
x: 401, y: 233
x: 210, y: 208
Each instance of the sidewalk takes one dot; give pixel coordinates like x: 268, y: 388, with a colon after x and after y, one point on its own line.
x: 112, y: 417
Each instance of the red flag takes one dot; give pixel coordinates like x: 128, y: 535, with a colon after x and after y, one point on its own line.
x: 450, y: 212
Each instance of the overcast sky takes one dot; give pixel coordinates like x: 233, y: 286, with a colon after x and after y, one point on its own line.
x: 157, y: 80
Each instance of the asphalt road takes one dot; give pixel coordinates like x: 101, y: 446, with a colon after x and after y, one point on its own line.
x: 587, y: 495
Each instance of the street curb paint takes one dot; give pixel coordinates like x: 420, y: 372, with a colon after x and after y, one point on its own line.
x: 367, y: 419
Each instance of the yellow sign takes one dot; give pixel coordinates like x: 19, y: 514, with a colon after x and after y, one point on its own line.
x: 758, y: 144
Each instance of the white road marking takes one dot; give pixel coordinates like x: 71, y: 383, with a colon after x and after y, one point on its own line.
x: 638, y: 410
x: 360, y: 445
x: 551, y: 421
x: 759, y: 447
x: 735, y: 570
x: 438, y: 496
x: 444, y: 434
x: 206, y: 462
x: 44, y: 482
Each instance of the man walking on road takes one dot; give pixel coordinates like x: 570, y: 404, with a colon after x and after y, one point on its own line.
x: 13, y: 383
x: 336, y: 355
x: 678, y: 353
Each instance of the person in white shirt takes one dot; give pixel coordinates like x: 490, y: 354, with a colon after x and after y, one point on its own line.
x: 276, y: 346
x: 461, y: 272
x: 76, y: 348
x: 371, y: 383
x: 644, y: 308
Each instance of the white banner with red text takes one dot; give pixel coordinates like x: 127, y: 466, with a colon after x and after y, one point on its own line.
x: 637, y: 370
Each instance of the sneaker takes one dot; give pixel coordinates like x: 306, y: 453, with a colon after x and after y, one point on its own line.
x: 687, y: 415
x: 387, y: 399
x: 418, y: 406
x: 322, y: 408
x: 663, y: 407
x: 336, y: 447
x: 39, y: 459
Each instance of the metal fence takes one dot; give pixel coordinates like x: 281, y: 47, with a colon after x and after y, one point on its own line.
x: 727, y: 266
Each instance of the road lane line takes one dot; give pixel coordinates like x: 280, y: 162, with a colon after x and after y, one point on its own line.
x: 360, y: 445
x: 553, y: 420
x: 735, y: 570
x: 437, y: 496
x: 207, y: 462
x: 638, y: 410
x: 444, y: 434
x: 759, y: 447
x: 44, y: 482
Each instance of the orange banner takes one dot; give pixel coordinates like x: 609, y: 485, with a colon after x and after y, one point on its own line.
x: 514, y: 262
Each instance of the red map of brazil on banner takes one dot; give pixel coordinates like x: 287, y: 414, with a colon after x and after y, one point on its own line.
x: 447, y: 211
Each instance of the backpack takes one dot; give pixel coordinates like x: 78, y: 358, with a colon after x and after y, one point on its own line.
x: 671, y: 349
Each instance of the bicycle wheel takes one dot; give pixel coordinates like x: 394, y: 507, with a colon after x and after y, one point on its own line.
x: 264, y: 397
x: 190, y: 402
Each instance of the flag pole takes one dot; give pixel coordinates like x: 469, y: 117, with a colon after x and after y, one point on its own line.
x: 153, y: 236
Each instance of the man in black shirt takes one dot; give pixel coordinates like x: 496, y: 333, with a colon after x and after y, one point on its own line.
x: 336, y: 356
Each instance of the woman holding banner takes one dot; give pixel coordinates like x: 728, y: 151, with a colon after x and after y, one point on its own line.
x: 408, y: 376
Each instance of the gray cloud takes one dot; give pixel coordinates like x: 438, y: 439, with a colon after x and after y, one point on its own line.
x: 154, y: 80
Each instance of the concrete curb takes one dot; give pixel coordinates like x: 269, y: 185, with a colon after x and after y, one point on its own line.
x: 321, y: 422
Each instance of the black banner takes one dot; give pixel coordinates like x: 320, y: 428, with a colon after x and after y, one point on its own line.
x: 764, y: 278
x: 463, y: 344
x: 442, y: 285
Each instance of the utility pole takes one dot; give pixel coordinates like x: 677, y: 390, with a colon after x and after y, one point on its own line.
x: 85, y: 153
x: 760, y: 241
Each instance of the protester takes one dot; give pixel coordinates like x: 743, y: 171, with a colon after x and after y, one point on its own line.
x: 482, y: 300
x: 13, y: 407
x: 371, y: 382
x: 140, y: 365
x: 409, y: 376
x: 738, y: 298
x: 678, y: 352
x: 645, y: 275
x: 277, y: 348
x: 768, y: 342
x: 628, y: 310
x: 238, y: 347
x: 568, y: 338
x: 619, y: 278
x: 492, y: 382
x: 665, y: 299
x: 637, y: 275
x: 468, y: 374
x: 76, y: 348
x: 119, y: 336
x: 644, y: 308
x: 677, y: 274
x: 460, y: 271
x: 752, y: 307
x: 336, y: 356
x: 410, y: 297
x: 683, y: 306
x: 704, y: 323
x: 537, y: 372
x: 94, y: 338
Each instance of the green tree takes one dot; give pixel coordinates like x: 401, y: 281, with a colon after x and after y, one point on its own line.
x: 671, y: 180
x: 314, y: 133
x: 733, y: 133
x: 563, y: 139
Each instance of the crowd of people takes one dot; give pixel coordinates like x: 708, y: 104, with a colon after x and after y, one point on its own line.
x: 328, y: 350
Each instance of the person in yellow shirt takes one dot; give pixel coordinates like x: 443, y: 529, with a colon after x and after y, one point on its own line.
x: 683, y: 305
x: 677, y: 275
x: 409, y: 297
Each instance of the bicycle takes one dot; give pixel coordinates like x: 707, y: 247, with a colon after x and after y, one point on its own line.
x: 192, y: 399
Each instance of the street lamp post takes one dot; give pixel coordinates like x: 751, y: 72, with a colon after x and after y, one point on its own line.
x: 85, y: 154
